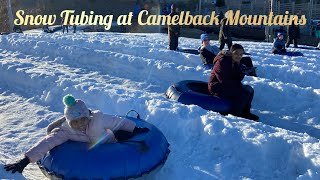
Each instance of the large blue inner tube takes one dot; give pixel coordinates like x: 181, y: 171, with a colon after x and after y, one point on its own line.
x: 74, y: 160
x: 291, y: 53
x: 196, y: 92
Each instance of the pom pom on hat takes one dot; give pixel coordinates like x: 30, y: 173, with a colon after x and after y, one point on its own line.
x: 74, y: 108
x: 279, y: 34
x: 204, y: 36
x: 69, y: 100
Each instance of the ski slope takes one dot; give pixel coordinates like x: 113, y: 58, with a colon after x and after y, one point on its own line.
x: 117, y: 72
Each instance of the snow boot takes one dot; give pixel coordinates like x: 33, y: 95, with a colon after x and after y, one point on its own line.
x: 250, y: 116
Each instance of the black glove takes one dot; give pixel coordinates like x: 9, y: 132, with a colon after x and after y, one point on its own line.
x: 121, y: 135
x: 18, y: 166
x: 138, y: 130
x: 250, y: 71
x: 247, y: 70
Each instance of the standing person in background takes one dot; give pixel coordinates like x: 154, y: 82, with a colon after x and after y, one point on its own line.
x: 225, y: 34
x: 293, y: 34
x: 136, y: 10
x: 318, y: 30
x: 74, y: 28
x: 220, y: 17
x: 269, y: 33
x: 173, y: 30
x: 318, y: 34
x: 64, y: 26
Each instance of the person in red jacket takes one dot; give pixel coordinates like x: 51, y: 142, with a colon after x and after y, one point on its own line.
x: 225, y: 81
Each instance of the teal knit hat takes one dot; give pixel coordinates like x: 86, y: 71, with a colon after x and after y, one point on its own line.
x: 74, y: 108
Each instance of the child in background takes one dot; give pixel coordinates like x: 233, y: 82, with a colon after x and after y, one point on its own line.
x: 279, y: 44
x: 207, y: 52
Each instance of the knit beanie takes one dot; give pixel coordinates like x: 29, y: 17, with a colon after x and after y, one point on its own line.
x: 203, y: 37
x: 173, y: 6
x: 279, y: 34
x: 74, y: 108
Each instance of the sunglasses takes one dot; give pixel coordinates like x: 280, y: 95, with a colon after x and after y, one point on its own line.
x: 206, y: 40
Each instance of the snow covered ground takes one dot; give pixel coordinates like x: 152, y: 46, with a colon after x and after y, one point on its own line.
x: 117, y: 72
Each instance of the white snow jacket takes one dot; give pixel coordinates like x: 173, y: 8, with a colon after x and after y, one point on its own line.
x: 100, y: 126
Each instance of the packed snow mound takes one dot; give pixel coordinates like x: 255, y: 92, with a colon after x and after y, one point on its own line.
x: 117, y: 72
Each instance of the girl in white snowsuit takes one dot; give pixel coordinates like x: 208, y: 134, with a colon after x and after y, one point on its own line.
x: 78, y: 124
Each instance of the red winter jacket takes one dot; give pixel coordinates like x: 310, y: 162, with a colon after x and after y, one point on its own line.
x: 225, y: 79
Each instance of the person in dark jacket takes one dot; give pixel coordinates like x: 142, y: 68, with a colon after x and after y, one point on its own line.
x: 173, y: 30
x: 293, y: 35
x: 46, y: 29
x: 225, y: 34
x: 279, y: 44
x: 220, y: 17
x: 207, y: 52
x: 64, y: 26
x: 17, y: 29
x: 318, y: 30
x: 225, y: 82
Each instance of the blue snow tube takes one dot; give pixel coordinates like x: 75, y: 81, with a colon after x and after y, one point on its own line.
x: 4, y: 33
x: 196, y: 92
x: 131, y: 159
x: 291, y: 53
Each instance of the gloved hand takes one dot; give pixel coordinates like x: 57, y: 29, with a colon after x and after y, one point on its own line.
x: 250, y: 70
x: 247, y: 70
x: 18, y: 166
x: 138, y: 130
x: 121, y: 135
